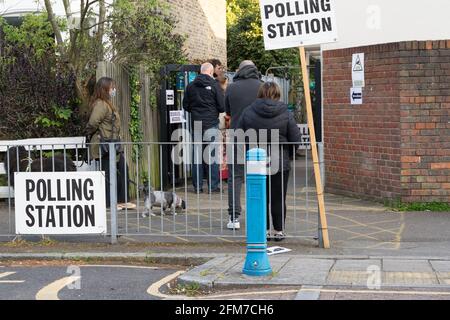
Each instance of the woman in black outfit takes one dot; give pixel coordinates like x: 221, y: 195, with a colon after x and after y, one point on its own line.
x: 267, y: 112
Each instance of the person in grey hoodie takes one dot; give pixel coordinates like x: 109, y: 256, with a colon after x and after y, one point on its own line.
x: 284, y: 137
x: 240, y: 94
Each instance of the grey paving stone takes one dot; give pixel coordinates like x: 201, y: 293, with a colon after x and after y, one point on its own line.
x: 302, y: 271
x: 48, y: 256
x: 356, y: 265
x: 412, y: 279
x: 214, y: 268
x: 309, y: 293
x: 444, y: 278
x: 276, y: 263
x: 207, y: 274
x: 103, y: 255
x: 406, y: 266
x: 441, y: 266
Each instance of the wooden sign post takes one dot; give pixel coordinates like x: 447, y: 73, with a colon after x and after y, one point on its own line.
x: 299, y: 23
x: 323, y: 228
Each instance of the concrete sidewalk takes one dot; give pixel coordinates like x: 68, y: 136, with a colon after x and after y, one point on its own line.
x: 313, y: 272
x: 369, y: 272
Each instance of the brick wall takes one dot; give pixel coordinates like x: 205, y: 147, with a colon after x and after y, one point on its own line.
x: 397, y: 144
x: 204, y: 24
x: 425, y: 123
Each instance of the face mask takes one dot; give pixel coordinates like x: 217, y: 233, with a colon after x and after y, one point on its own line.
x: 113, y: 93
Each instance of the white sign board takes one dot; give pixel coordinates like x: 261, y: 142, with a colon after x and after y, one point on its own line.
x: 61, y: 203
x: 356, y: 96
x: 306, y: 137
x: 177, y: 116
x: 277, y: 250
x: 295, y: 23
x: 170, y: 97
x: 358, y: 70
x: 368, y: 22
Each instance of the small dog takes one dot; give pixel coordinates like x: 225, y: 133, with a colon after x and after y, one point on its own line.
x: 161, y: 199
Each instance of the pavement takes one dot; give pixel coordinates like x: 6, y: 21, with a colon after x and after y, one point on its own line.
x: 141, y: 276
x: 362, y: 272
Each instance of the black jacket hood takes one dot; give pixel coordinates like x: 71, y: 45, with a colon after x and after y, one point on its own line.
x: 204, y: 80
x: 267, y: 108
x: 247, y: 72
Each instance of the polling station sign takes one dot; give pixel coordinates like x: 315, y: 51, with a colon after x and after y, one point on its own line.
x: 61, y: 203
x: 296, y: 23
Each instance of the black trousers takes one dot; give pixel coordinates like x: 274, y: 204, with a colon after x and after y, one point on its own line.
x: 123, y: 179
x: 276, y: 199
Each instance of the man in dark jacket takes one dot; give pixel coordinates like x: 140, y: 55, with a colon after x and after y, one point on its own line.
x: 240, y: 94
x: 205, y: 101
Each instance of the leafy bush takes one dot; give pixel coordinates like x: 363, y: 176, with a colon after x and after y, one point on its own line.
x: 3, y: 180
x: 37, y: 93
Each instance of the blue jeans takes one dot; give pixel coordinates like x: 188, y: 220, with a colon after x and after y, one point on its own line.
x: 206, y: 161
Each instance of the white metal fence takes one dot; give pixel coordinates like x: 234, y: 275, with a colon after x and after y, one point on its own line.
x: 195, y: 215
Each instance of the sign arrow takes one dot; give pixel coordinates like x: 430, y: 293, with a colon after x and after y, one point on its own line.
x: 356, y: 96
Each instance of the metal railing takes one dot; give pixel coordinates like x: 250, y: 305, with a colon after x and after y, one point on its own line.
x: 194, y: 214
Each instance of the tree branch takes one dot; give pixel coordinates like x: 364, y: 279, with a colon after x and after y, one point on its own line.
x: 101, y: 28
x: 54, y: 23
x: 97, y: 24
x: 68, y: 9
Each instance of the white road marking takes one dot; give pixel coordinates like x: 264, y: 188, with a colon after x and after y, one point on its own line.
x: 153, y: 290
x: 50, y: 292
x: 7, y: 274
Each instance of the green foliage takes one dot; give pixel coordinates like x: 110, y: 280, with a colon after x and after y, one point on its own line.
x: 3, y: 180
x: 419, y: 206
x: 245, y: 38
x: 143, y: 33
x: 37, y: 93
x: 61, y: 116
x: 35, y: 32
x: 190, y: 290
x: 136, y: 33
x: 135, y: 114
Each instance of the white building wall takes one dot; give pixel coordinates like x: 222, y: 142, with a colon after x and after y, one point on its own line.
x: 18, y: 7
x: 368, y: 22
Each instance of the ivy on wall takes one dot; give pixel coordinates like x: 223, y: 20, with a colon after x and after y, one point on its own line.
x: 135, y: 121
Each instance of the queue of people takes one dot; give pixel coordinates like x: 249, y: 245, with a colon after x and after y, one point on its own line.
x: 248, y: 103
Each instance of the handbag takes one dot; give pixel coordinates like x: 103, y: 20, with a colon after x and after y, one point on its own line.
x: 104, y: 146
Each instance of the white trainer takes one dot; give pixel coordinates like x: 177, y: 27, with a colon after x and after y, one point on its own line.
x: 234, y: 224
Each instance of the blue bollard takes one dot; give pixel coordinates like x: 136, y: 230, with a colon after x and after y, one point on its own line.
x: 257, y: 262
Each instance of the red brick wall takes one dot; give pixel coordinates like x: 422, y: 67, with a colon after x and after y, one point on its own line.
x: 362, y: 142
x: 425, y: 120
x: 396, y: 145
